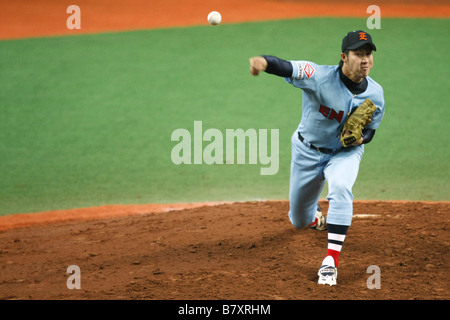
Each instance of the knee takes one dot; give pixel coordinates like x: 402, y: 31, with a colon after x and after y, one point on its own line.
x: 340, y: 190
x: 298, y: 221
x: 299, y: 225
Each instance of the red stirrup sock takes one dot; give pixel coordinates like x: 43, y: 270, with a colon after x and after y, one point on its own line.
x: 336, y: 237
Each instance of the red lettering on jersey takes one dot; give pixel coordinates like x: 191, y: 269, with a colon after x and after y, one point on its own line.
x: 325, y: 111
x: 331, y: 113
x: 309, y: 70
x: 335, y: 115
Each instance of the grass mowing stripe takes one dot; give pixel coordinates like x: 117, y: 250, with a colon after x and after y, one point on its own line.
x: 87, y: 120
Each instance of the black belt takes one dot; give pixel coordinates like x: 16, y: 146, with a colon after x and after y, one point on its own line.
x: 323, y: 150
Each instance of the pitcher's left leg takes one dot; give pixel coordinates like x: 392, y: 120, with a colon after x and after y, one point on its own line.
x: 340, y: 172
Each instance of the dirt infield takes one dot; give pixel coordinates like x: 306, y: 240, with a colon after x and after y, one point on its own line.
x: 221, y: 251
x: 230, y: 251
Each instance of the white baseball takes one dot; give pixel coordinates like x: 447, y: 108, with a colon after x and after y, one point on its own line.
x: 214, y: 18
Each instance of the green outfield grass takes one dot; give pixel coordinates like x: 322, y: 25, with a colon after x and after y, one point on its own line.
x: 87, y: 120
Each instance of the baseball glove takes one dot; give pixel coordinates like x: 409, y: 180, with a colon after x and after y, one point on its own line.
x: 356, y: 122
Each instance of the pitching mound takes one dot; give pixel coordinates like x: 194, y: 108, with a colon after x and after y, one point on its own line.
x: 230, y: 251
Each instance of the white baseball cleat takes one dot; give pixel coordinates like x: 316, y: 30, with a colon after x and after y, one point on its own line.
x: 327, y: 272
x: 327, y: 275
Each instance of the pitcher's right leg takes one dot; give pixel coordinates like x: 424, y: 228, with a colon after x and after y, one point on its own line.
x: 306, y: 184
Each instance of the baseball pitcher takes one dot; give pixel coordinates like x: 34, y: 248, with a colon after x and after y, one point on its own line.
x: 341, y: 109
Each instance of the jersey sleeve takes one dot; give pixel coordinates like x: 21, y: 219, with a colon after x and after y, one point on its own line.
x: 379, y: 112
x: 305, y: 74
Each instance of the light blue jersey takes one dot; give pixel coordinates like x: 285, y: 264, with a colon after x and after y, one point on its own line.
x: 327, y: 102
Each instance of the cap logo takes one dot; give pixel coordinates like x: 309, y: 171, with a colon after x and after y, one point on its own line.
x: 362, y: 36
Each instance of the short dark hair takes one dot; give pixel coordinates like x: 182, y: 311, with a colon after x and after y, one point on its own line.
x: 341, y: 63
